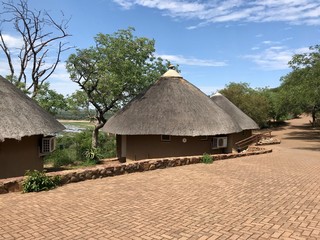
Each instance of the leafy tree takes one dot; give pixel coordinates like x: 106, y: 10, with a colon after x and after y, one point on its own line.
x: 50, y: 100
x: 41, y: 45
x: 278, y: 109
x: 301, y: 87
x: 115, y: 70
x: 250, y: 101
x: 78, y: 101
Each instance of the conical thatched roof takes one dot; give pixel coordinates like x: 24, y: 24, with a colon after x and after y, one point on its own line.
x: 21, y: 116
x: 171, y: 106
x: 237, y: 115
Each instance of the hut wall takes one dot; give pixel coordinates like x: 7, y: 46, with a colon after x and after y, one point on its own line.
x: 150, y: 146
x: 18, y: 156
x: 233, y: 138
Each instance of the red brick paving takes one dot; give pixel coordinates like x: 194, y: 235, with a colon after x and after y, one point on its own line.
x: 271, y: 196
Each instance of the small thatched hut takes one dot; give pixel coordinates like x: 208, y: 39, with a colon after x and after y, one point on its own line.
x: 243, y: 120
x: 171, y: 118
x: 24, y: 131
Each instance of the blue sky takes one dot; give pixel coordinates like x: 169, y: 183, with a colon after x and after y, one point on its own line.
x: 214, y: 42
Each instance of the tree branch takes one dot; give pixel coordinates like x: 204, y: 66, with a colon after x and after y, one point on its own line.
x: 34, y: 29
x: 8, y: 55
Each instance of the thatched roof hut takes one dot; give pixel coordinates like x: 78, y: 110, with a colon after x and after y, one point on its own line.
x: 244, y: 121
x: 172, y: 106
x: 21, y: 116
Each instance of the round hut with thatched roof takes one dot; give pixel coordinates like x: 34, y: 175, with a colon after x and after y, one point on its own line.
x: 26, y: 132
x: 171, y: 118
x: 243, y: 120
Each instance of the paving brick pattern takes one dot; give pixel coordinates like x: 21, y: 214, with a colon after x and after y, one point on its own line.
x: 271, y: 196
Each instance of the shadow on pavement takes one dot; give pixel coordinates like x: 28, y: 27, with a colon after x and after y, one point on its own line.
x: 305, y: 133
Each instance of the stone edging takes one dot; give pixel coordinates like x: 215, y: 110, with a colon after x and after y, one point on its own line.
x: 70, y: 176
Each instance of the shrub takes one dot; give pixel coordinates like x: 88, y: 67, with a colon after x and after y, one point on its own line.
x: 61, y: 157
x: 106, y: 147
x: 92, y: 155
x: 75, y: 149
x: 206, y: 158
x: 37, y: 181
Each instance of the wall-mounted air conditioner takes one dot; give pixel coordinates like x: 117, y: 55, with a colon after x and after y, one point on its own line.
x: 219, y: 142
x: 48, y: 145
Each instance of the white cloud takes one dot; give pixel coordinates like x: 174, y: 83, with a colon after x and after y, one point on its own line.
x: 179, y: 59
x: 66, y: 87
x: 60, y: 73
x: 124, y: 3
x: 172, y: 7
x: 275, y: 57
x: 302, y: 12
x: 12, y: 41
x: 59, y: 80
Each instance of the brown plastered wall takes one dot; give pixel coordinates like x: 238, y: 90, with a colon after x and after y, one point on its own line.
x: 118, y: 143
x: 236, y: 137
x: 18, y: 156
x: 150, y: 146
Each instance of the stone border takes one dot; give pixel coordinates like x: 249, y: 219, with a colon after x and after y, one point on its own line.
x: 101, y: 171
x: 270, y: 141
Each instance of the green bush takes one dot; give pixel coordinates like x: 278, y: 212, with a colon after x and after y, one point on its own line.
x: 37, y: 181
x: 61, y: 157
x: 206, y: 158
x: 75, y: 149
x: 92, y: 155
x: 105, y: 149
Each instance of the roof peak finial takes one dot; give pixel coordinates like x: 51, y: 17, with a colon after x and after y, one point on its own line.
x: 172, y: 72
x: 172, y: 67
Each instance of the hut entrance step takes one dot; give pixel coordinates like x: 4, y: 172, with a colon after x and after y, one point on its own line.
x: 254, y: 139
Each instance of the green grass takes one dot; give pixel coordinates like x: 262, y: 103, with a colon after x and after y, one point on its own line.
x: 78, y: 124
x: 207, y: 159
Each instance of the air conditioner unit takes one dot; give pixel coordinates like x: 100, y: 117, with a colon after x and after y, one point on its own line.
x: 219, y: 142
x: 48, y: 145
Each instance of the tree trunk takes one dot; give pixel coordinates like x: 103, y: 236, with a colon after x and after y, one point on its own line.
x: 95, y: 137
x: 95, y: 134
x: 313, y: 113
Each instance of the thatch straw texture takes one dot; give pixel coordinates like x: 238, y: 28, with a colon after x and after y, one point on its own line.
x: 21, y: 116
x: 236, y: 114
x: 172, y: 106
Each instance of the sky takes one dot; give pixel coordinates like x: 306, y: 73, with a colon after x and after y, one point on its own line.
x: 214, y: 42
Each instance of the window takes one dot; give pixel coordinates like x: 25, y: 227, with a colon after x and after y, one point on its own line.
x: 204, y: 138
x: 165, y: 138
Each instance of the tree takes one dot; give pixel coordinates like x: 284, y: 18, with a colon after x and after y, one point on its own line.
x: 78, y: 101
x: 115, y: 70
x: 278, y: 109
x: 50, y: 100
x: 40, y: 35
x: 302, y: 86
x: 252, y: 102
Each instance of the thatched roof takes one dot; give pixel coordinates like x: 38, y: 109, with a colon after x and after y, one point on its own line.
x: 237, y: 115
x: 21, y: 116
x: 171, y: 106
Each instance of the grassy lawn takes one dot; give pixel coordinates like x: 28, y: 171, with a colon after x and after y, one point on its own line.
x: 78, y: 124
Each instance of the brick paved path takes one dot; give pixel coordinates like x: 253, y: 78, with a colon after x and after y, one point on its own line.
x: 272, y: 196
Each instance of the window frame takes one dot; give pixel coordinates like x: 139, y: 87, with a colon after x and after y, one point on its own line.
x: 165, y: 138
